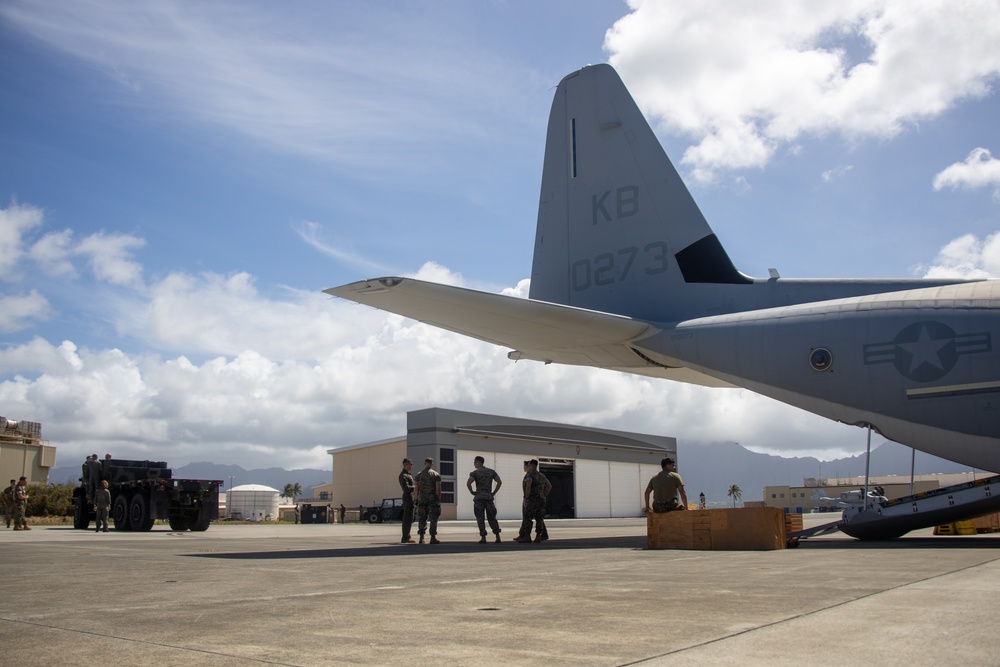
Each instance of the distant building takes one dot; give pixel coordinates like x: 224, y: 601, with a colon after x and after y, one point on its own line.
x: 252, y: 502
x: 827, y: 495
x: 594, y: 472
x: 23, y: 452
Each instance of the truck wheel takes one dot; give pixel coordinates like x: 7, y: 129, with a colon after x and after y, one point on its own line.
x: 202, y: 522
x: 81, y: 520
x: 139, y: 516
x: 179, y: 523
x: 373, y: 518
x: 119, y: 512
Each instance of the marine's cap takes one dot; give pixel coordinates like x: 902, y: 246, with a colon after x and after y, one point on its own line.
x: 405, y: 461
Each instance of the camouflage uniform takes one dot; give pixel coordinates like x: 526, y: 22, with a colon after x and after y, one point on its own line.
x: 20, y: 507
x: 7, y: 502
x: 428, y: 503
x: 102, y: 503
x: 533, y: 507
x: 93, y: 472
x: 483, y: 504
x: 406, y: 486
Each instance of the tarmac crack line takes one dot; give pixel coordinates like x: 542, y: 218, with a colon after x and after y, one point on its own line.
x: 147, y: 642
x: 804, y: 614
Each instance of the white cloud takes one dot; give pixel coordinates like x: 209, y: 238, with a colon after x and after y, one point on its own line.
x: 967, y: 257
x: 15, y: 221
x: 22, y: 311
x: 213, y: 314
x: 310, y: 232
x: 52, y: 252
x: 110, y: 257
x: 980, y: 169
x: 744, y: 78
x: 837, y: 172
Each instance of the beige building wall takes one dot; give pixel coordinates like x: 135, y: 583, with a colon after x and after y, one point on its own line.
x: 322, y: 494
x: 365, y: 474
x: 24, y: 455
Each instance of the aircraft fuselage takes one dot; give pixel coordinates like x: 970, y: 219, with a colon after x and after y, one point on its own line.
x: 918, y: 365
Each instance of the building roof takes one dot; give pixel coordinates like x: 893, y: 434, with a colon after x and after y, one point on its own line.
x: 363, y: 445
x: 254, y: 487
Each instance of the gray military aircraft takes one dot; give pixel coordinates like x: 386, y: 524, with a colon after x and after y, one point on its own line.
x: 628, y: 275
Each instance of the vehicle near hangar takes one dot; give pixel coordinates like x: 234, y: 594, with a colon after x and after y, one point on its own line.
x: 391, y: 509
x: 144, y: 491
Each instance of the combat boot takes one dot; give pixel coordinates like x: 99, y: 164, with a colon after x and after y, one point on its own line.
x: 421, y: 540
x: 522, y: 539
x: 497, y: 540
x: 435, y: 540
x: 482, y: 540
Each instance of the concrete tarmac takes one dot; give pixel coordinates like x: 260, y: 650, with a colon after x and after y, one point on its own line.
x: 592, y: 595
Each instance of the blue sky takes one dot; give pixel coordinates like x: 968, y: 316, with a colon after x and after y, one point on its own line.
x: 179, y: 180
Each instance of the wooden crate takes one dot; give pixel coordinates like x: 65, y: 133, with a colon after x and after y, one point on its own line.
x: 746, y: 528
x: 990, y: 523
x: 793, y: 523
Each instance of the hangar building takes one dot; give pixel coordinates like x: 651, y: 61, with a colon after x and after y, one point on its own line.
x: 595, y: 473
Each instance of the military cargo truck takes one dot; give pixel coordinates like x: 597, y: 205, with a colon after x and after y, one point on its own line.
x: 143, y: 491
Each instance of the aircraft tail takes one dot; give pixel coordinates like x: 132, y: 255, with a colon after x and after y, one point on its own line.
x: 618, y: 231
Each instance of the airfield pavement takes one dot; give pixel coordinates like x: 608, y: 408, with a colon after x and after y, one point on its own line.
x: 592, y: 595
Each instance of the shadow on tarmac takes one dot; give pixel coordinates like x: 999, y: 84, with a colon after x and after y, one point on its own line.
x: 637, y: 543
x: 936, y: 542
x: 397, y: 549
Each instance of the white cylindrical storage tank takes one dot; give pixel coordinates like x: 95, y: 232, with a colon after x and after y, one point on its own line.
x: 255, y: 502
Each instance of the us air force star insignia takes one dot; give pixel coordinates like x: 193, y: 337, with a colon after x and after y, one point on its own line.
x: 926, y: 351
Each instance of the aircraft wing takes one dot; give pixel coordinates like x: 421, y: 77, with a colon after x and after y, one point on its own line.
x: 535, y: 330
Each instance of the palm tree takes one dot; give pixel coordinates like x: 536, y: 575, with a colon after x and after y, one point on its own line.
x: 735, y: 492
x: 292, y: 490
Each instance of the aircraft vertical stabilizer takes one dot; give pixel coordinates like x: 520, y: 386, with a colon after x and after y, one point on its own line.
x: 618, y: 230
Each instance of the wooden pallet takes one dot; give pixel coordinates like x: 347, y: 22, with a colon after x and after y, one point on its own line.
x: 747, y: 528
x: 793, y: 523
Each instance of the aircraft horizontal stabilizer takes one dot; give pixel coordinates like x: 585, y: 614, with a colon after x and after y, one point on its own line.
x: 535, y: 330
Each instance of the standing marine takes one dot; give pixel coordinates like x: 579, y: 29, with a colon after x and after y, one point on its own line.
x: 483, y: 503
x: 536, y: 487
x: 406, y: 486
x: 7, y: 501
x: 102, y: 505
x: 21, y: 504
x: 428, y: 488
x: 665, y: 486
